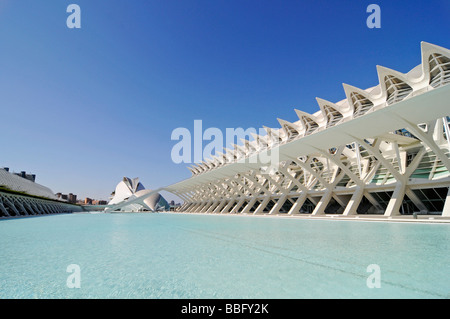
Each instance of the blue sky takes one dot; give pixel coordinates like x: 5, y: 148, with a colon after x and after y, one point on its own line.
x: 82, y: 108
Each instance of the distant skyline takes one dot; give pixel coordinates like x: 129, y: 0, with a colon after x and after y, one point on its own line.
x: 82, y: 108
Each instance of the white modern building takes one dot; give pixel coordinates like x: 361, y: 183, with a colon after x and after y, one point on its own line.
x: 20, y: 184
x: 20, y: 196
x: 131, y: 196
x: 381, y: 150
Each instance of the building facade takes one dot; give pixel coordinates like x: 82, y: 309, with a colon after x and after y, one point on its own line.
x: 382, y: 150
x: 131, y: 196
x: 21, y: 196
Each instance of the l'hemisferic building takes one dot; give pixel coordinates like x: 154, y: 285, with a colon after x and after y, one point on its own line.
x: 383, y: 150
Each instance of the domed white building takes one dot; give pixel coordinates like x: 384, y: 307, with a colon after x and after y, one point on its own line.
x: 129, y: 190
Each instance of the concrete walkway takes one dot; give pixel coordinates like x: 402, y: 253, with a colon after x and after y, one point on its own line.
x: 435, y: 219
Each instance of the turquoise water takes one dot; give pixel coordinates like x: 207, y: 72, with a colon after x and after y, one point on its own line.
x: 204, y: 256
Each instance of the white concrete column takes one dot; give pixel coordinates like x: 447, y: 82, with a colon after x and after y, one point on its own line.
x: 342, y: 200
x: 183, y: 207
x: 373, y: 201
x: 202, y: 206
x: 30, y: 208
x: 320, y: 207
x: 220, y: 206
x: 446, y: 210
x: 37, y: 208
x: 21, y: 207
x: 354, y: 201
x: 49, y: 208
x: 207, y: 206
x: 276, y: 208
x: 298, y: 204
x: 249, y: 205
x: 189, y: 208
x: 229, y: 205
x: 194, y: 208
x: 237, y: 206
x: 263, y: 205
x: 213, y: 205
x: 393, y: 207
x: 45, y: 209
x: 416, y: 200
x: 11, y: 205
x: 427, y: 139
x: 3, y: 209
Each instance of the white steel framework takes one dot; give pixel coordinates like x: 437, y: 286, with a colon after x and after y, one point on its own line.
x: 383, y: 150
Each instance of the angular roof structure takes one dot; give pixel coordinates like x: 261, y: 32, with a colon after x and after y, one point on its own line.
x: 129, y: 191
x: 393, y: 137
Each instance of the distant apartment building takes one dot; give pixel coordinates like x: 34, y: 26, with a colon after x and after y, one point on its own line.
x: 90, y: 201
x: 71, y: 198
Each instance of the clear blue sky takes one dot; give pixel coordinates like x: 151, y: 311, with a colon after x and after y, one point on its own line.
x: 82, y: 108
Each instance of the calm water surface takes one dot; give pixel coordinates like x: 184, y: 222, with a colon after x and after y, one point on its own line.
x: 196, y: 256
